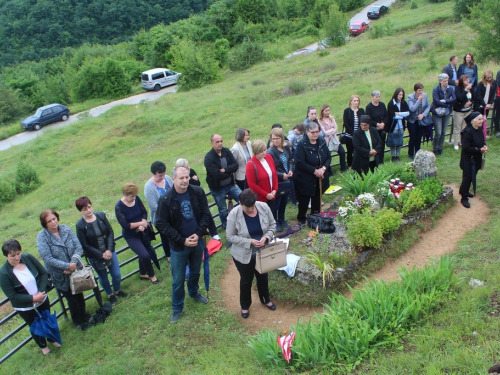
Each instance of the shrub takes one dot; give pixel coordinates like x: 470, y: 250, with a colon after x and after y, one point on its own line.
x: 432, y: 61
x: 446, y: 42
x: 7, y: 191
x: 413, y: 4
x: 388, y: 219
x: 26, y: 179
x: 431, y: 189
x: 336, y: 25
x: 414, y: 200
x: 245, y: 55
x: 363, y: 231
x: 421, y: 44
x: 297, y: 86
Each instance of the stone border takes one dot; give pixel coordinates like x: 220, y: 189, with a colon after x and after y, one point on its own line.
x: 306, y: 273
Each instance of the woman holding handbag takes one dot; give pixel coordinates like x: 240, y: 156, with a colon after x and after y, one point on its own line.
x: 24, y: 282
x: 419, y: 118
x: 250, y: 225
x: 443, y: 97
x: 330, y: 128
x: 281, y: 153
x: 352, y: 114
x: 132, y: 216
x: 98, y: 242
x: 398, y: 111
x: 60, y: 250
x: 261, y: 174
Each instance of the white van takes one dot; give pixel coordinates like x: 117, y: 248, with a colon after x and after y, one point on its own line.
x: 155, y: 79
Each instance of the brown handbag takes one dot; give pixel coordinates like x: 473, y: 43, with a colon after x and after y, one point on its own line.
x: 271, y: 257
x: 82, y: 279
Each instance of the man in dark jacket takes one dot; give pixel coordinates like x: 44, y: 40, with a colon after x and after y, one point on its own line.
x: 220, y: 165
x: 451, y: 70
x: 183, y: 216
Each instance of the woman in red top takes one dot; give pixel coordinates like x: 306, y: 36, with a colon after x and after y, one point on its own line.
x: 261, y: 174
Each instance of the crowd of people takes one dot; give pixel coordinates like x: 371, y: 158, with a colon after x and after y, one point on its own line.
x: 263, y: 178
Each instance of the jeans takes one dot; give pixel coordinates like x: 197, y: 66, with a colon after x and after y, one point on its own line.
x: 395, y: 151
x: 247, y: 272
x: 114, y: 270
x: 233, y: 191
x: 192, y: 257
x: 145, y: 266
x: 416, y: 133
x: 440, y: 125
x: 76, y: 305
x: 29, y: 317
x: 280, y: 207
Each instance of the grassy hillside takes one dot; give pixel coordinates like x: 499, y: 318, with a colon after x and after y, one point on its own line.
x: 97, y: 155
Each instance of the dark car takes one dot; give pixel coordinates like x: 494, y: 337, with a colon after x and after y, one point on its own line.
x: 46, y: 115
x: 377, y: 11
x: 358, y: 27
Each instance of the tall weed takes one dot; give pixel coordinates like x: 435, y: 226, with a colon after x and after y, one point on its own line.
x: 349, y: 330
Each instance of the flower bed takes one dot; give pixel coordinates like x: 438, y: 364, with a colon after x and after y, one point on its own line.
x: 341, y: 256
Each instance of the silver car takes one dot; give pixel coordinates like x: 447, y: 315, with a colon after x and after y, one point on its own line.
x: 155, y: 79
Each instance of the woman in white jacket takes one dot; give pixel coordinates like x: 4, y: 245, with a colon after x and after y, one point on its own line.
x: 242, y: 152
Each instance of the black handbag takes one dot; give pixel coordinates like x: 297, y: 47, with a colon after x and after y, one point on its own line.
x: 323, y: 222
x: 101, y: 264
x: 285, y: 187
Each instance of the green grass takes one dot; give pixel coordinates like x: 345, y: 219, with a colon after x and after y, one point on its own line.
x: 97, y: 155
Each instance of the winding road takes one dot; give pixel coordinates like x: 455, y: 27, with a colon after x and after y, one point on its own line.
x: 94, y: 112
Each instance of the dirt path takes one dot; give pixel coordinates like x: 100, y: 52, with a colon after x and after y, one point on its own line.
x: 441, y: 239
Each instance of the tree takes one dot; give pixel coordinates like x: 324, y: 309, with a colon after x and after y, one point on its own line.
x: 485, y: 20
x: 196, y: 63
x: 336, y: 25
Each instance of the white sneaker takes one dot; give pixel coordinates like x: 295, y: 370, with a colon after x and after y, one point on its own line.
x: 456, y: 147
x: 216, y: 237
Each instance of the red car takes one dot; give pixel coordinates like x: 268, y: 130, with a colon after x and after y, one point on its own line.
x: 358, y: 27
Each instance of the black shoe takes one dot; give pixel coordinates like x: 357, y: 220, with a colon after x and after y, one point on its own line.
x: 113, y: 300
x: 157, y: 281
x: 272, y: 307
x: 175, y: 317
x: 121, y: 294
x: 278, y: 227
x: 465, y: 202
x: 245, y: 315
x: 469, y: 195
x: 285, y: 225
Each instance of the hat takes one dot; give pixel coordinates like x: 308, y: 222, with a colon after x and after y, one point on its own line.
x: 472, y: 116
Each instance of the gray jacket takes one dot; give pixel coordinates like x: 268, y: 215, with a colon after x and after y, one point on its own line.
x: 152, y: 196
x: 58, y: 252
x: 239, y: 155
x: 237, y: 231
x: 413, y: 105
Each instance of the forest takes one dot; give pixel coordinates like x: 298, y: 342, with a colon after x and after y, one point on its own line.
x: 37, y: 29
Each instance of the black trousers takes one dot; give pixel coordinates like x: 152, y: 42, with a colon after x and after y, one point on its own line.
x: 247, y: 273
x: 76, y: 304
x: 350, y: 150
x: 496, y: 114
x: 303, y: 201
x: 29, y: 317
x: 383, y: 136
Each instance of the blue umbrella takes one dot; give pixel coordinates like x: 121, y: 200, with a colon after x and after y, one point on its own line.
x: 45, y: 325
x: 206, y: 266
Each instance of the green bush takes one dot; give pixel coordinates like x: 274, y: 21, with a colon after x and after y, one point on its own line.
x: 363, y: 231
x: 297, y: 86
x: 421, y: 44
x: 432, y: 61
x: 414, y: 200
x: 336, y: 25
x: 431, y: 189
x: 7, y: 191
x: 245, y: 55
x: 447, y: 41
x: 413, y: 4
x: 349, y: 330
x: 26, y: 179
x: 388, y: 219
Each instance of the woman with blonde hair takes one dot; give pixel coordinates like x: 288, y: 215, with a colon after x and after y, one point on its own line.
x: 352, y: 114
x: 329, y: 125
x: 485, y: 93
x: 281, y: 152
x: 132, y: 216
x: 261, y: 174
